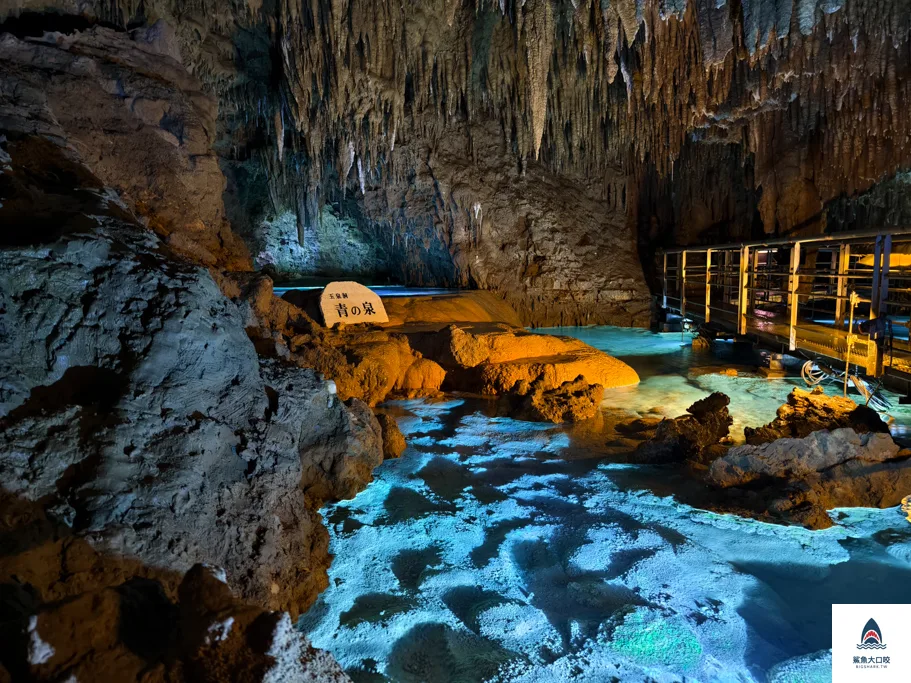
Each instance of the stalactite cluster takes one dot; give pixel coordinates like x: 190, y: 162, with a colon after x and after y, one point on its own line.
x: 814, y: 90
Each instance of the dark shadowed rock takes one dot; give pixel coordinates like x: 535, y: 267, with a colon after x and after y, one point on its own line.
x: 694, y: 436
x: 809, y: 411
x: 141, y: 122
x: 134, y: 631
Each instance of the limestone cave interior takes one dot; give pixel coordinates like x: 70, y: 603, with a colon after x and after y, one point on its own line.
x: 430, y: 341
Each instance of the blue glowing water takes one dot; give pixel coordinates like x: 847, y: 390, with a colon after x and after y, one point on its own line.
x: 385, y: 291
x: 485, y: 554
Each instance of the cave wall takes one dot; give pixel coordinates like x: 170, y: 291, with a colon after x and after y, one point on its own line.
x: 140, y: 123
x: 720, y: 121
x: 546, y: 242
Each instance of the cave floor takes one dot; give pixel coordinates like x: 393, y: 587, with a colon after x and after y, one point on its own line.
x: 502, y: 550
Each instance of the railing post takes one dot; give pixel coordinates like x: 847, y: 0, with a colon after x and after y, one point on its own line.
x: 844, y: 263
x: 877, y: 275
x: 754, y: 277
x: 743, y: 288
x: 664, y: 284
x: 793, y: 300
x: 708, y: 284
x: 884, y: 275
x: 878, y: 302
x: 682, y: 274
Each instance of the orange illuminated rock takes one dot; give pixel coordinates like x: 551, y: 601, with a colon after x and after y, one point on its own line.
x: 462, y: 307
x: 492, y: 359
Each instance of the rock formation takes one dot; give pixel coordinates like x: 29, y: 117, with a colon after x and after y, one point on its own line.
x: 136, y: 631
x: 143, y: 127
x: 695, y: 437
x: 809, y: 411
x: 796, y: 480
x: 160, y: 407
x: 513, y: 146
x: 145, y: 406
x: 140, y: 431
x: 573, y: 401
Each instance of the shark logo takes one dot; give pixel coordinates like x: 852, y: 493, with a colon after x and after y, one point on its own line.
x: 872, y: 637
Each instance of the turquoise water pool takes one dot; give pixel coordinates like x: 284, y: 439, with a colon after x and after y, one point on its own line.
x: 487, y: 554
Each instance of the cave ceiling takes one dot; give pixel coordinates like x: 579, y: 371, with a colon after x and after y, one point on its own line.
x: 813, y: 93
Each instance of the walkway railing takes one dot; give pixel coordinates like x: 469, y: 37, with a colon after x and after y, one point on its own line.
x: 846, y: 296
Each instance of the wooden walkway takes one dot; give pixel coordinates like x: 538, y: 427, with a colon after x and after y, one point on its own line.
x: 844, y: 297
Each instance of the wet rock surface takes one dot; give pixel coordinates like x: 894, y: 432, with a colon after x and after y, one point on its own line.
x: 809, y: 411
x: 696, y: 436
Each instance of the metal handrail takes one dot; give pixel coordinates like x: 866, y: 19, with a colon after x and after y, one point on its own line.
x: 784, y: 241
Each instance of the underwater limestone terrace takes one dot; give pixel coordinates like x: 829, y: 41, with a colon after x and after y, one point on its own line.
x: 200, y: 481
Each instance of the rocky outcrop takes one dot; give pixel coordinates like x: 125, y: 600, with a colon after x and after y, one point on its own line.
x: 492, y: 359
x: 417, y: 354
x: 808, y: 411
x: 145, y: 406
x: 393, y: 439
x: 445, y: 309
x: 141, y: 123
x: 696, y: 436
x: 136, y: 631
x: 368, y: 363
x: 800, y: 458
x: 570, y: 402
x: 796, y: 480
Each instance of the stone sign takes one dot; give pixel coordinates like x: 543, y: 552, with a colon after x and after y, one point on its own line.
x: 350, y: 303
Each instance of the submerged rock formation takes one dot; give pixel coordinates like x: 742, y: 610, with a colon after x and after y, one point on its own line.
x: 573, y: 401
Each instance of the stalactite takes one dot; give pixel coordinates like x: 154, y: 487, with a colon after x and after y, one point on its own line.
x: 539, y: 40
x: 578, y: 86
